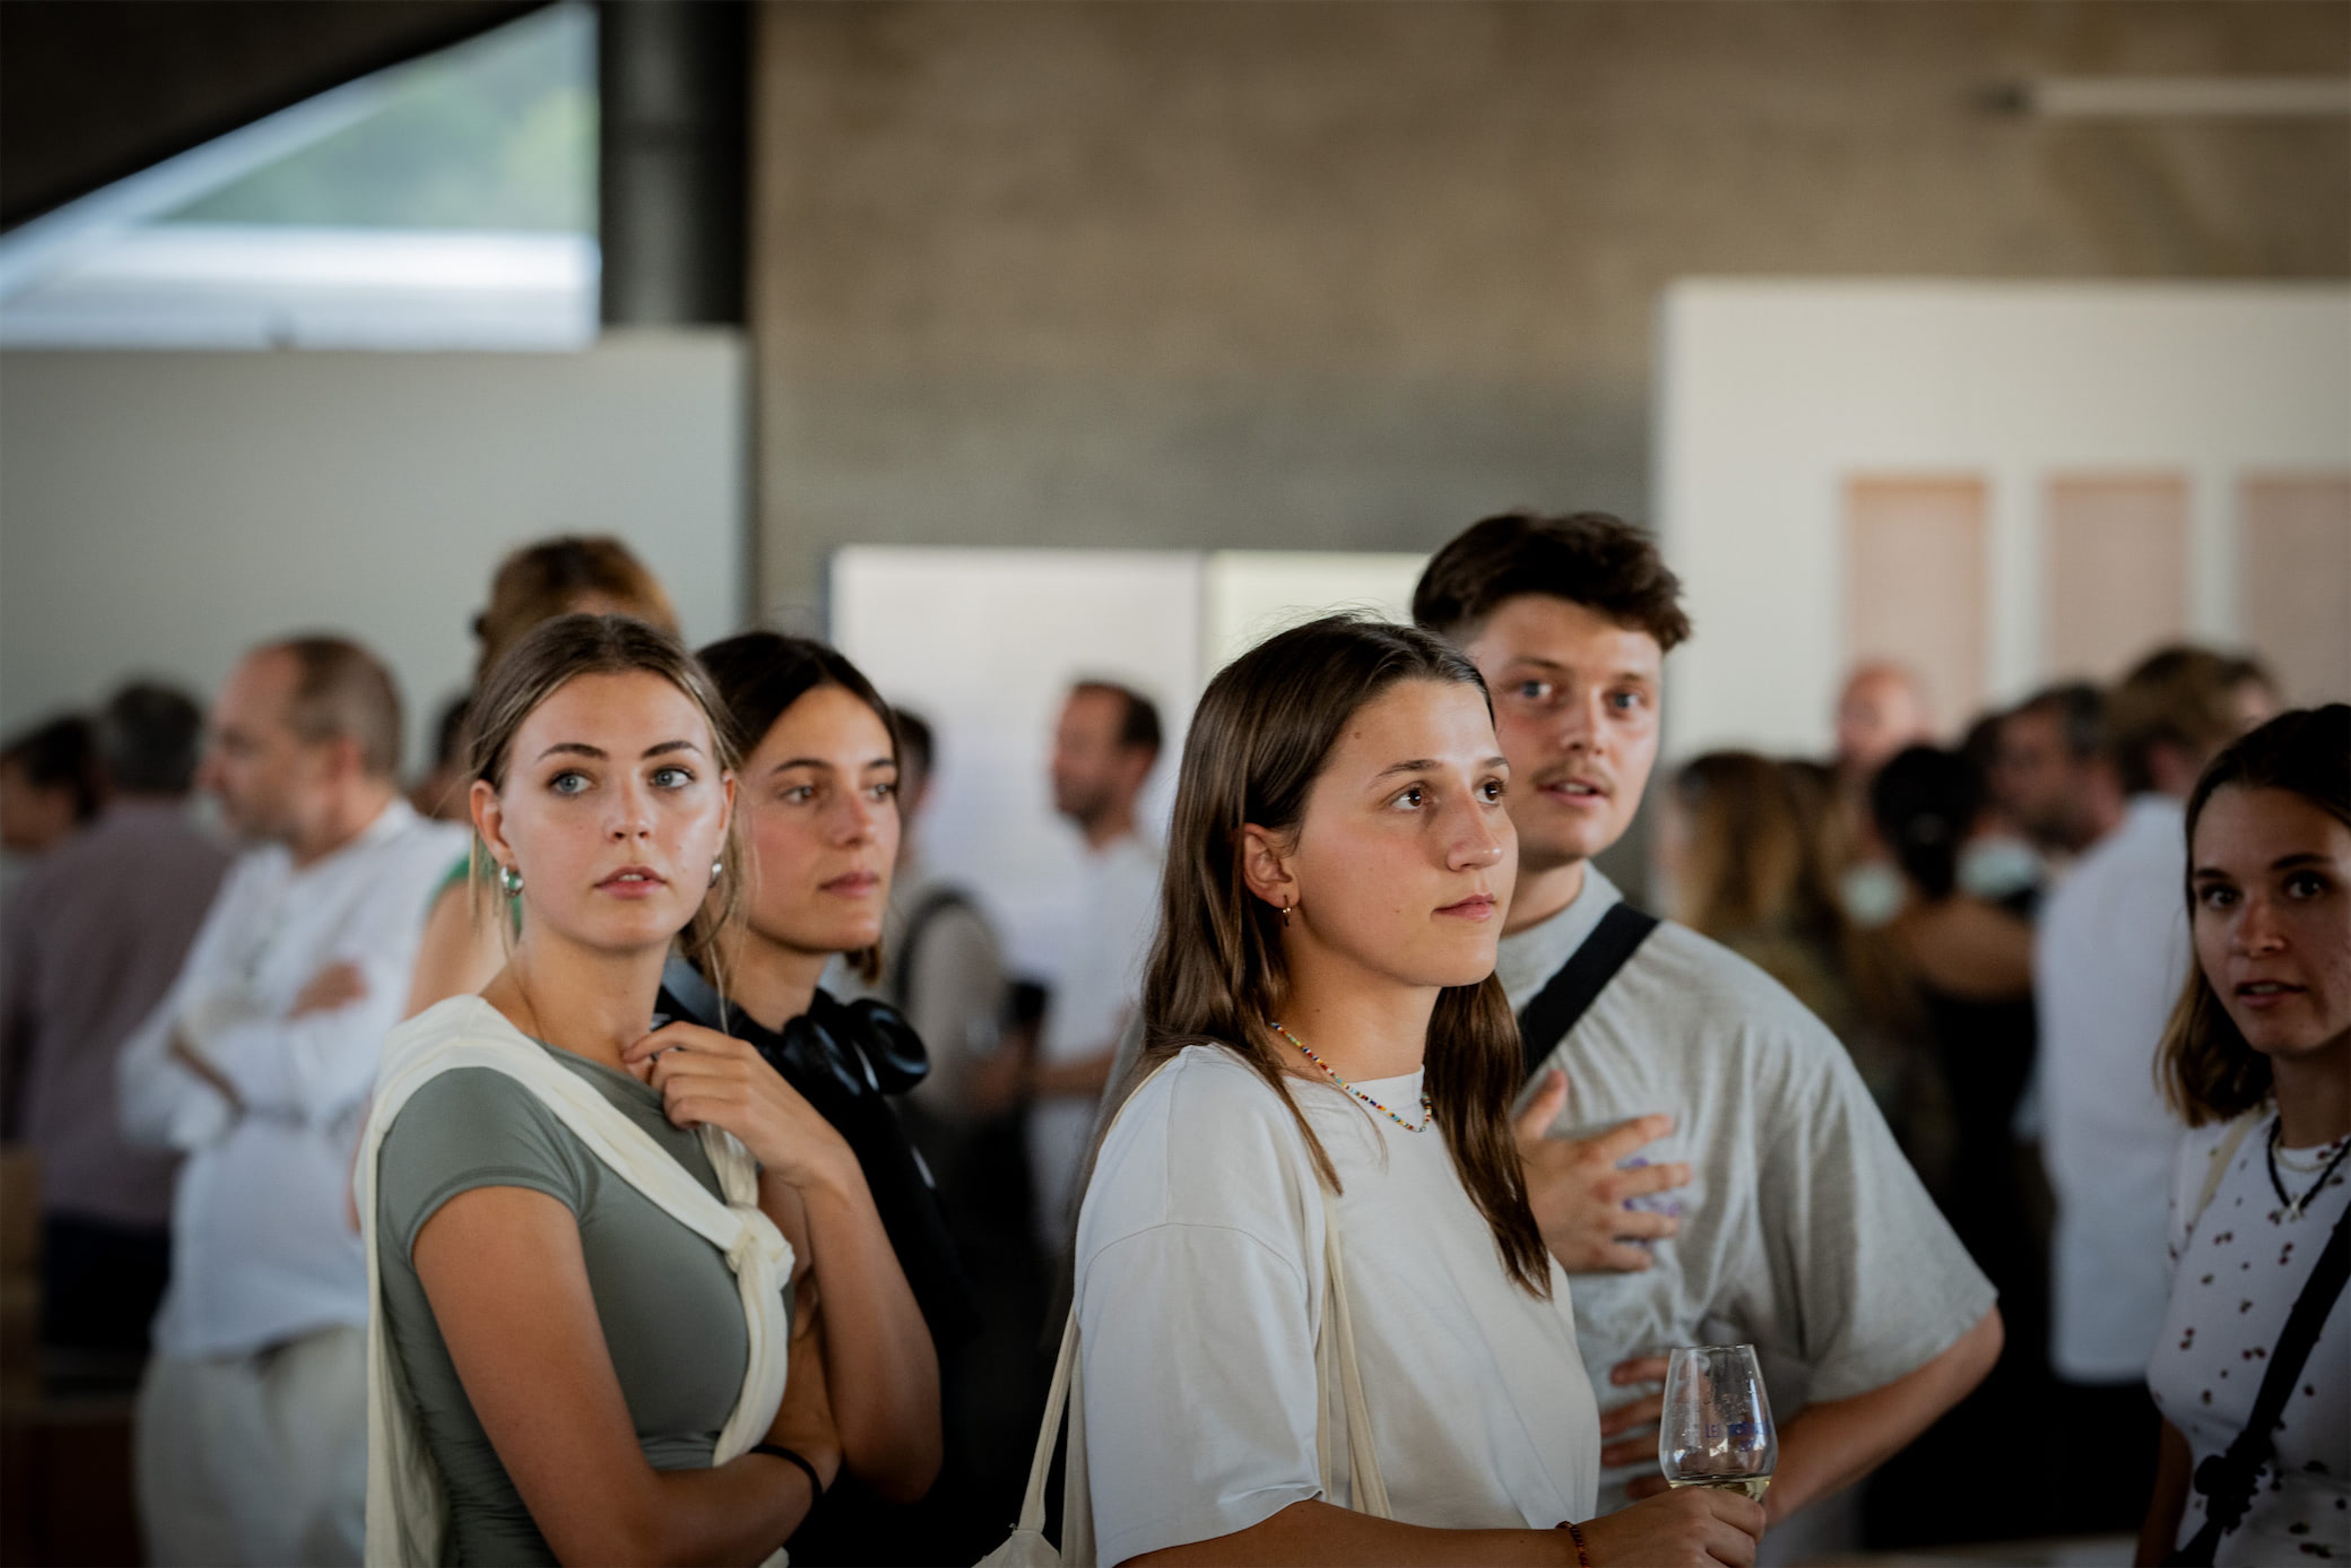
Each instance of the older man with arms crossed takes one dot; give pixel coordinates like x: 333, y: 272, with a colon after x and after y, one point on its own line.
x: 1802, y: 1230
x: 252, y: 1423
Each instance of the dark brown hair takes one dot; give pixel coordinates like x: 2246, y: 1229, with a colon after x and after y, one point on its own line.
x: 760, y: 675
x: 1260, y: 737
x: 1138, y: 726
x: 343, y: 692
x: 1590, y: 558
x: 540, y: 581
x: 60, y: 754
x: 2206, y: 1069
x: 558, y: 653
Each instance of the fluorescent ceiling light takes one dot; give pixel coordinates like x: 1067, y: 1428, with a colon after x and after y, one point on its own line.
x: 2191, y: 97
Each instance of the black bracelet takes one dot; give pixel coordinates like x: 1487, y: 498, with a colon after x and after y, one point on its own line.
x: 815, y: 1486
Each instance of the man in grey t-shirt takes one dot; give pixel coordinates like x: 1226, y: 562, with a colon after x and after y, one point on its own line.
x: 1802, y: 1229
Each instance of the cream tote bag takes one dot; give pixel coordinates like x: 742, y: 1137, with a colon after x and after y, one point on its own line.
x: 406, y: 1509
x: 1334, y: 1359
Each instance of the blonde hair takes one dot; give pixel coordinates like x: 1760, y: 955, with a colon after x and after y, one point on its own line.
x: 551, y: 657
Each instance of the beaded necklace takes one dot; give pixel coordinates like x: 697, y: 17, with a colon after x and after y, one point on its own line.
x: 1426, y: 1112
x: 2294, y: 1206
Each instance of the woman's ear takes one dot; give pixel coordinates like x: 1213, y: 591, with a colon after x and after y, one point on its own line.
x: 1266, y: 868
x: 489, y: 821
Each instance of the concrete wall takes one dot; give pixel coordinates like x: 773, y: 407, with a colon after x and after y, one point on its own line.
x: 159, y: 513
x: 1301, y: 276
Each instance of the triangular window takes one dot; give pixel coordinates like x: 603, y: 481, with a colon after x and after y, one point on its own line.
x: 449, y: 202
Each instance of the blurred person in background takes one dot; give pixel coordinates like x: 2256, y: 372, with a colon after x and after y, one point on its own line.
x: 93, y: 937
x: 816, y: 806
x: 2252, y: 1368
x: 2052, y: 774
x: 2110, y: 954
x: 50, y: 784
x: 943, y: 967
x: 565, y: 576
x: 1970, y: 964
x: 1802, y: 1230
x: 251, y: 1425
x: 1741, y: 870
x: 1882, y: 709
x: 440, y: 791
x: 1104, y: 747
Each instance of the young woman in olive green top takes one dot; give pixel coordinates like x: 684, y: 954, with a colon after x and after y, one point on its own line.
x: 569, y: 1350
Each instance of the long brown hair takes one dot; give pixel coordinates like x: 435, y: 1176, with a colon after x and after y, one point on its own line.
x: 550, y: 657
x: 2207, y: 1071
x: 1262, y: 734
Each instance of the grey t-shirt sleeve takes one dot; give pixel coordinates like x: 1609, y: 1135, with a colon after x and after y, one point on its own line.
x: 1873, y: 1282
x: 470, y: 1127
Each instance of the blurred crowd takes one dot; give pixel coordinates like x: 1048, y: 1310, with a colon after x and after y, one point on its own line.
x: 1987, y: 915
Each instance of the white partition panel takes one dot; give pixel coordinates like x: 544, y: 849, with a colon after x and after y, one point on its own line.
x: 161, y: 512
x: 1774, y: 395
x: 984, y: 643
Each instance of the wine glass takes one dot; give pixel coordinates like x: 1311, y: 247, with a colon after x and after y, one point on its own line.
x: 1717, y: 1430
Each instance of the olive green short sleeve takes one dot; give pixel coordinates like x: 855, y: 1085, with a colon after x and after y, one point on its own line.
x: 469, y: 1127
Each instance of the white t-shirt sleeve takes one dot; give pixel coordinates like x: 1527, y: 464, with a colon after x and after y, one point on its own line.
x: 1199, y: 1387
x: 1880, y: 1284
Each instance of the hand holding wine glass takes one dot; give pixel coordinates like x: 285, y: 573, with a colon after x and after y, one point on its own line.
x: 1717, y: 1429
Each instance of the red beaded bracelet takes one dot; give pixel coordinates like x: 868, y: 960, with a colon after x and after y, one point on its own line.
x: 1583, y: 1557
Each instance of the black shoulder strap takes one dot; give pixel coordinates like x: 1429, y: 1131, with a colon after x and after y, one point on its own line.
x: 1544, y: 1021
x: 2227, y: 1480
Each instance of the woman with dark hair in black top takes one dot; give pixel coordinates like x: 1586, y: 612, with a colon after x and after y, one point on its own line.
x: 818, y: 803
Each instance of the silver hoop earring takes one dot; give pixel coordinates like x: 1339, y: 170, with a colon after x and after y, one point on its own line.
x: 718, y: 870
x: 510, y: 880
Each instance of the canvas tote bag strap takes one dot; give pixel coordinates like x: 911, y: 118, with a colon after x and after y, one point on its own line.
x: 1056, y: 1400
x: 1367, y: 1489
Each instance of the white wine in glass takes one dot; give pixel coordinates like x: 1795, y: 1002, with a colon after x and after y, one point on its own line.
x: 1717, y: 1430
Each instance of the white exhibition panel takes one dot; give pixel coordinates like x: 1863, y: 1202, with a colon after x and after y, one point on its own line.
x: 1773, y: 394
x: 985, y: 642
x: 162, y: 512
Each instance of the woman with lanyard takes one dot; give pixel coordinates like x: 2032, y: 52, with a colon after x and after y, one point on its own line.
x: 584, y: 1233
x: 817, y: 803
x: 2254, y: 1361
x: 1328, y: 1048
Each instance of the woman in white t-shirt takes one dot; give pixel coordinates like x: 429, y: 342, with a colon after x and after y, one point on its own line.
x: 1321, y: 1009
x: 2258, y: 1059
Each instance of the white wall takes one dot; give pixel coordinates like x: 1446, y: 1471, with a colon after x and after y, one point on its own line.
x: 159, y: 512
x: 1771, y: 394
x: 985, y: 642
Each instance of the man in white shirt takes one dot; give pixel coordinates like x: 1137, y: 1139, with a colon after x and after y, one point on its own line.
x: 257, y: 1065
x: 1103, y: 750
x: 1802, y: 1229
x: 2110, y: 952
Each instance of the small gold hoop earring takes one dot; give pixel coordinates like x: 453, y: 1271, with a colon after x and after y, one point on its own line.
x: 1285, y: 912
